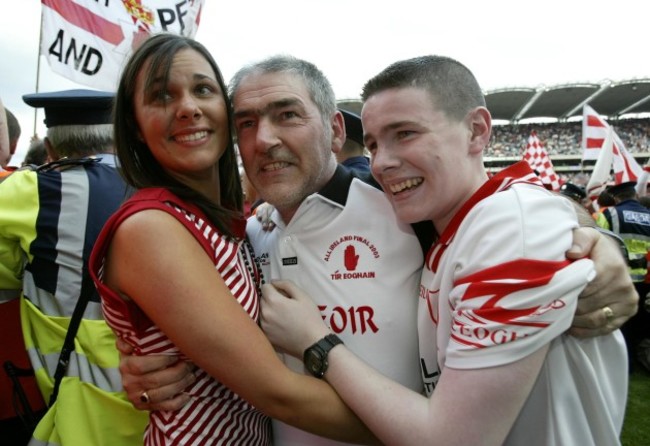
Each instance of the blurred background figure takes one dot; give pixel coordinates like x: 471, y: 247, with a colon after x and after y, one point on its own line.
x: 574, y: 192
x: 13, y: 131
x: 631, y: 220
x: 604, y: 200
x: 36, y: 154
x: 352, y: 155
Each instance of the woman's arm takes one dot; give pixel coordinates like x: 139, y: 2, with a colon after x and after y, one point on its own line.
x: 156, y: 262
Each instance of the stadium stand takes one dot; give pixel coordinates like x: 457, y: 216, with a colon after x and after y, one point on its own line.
x: 518, y: 111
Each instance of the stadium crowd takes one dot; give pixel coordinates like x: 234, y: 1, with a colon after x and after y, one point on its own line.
x: 563, y: 138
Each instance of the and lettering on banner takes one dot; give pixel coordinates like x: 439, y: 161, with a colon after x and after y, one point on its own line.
x: 88, y: 41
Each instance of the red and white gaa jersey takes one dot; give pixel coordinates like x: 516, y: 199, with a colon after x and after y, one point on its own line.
x: 496, y: 288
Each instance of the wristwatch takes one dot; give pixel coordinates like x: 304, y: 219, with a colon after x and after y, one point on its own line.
x: 315, y: 357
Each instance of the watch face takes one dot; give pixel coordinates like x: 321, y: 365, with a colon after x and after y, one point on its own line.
x: 314, y: 362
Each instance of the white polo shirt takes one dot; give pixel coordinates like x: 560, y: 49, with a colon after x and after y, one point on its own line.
x: 362, y: 266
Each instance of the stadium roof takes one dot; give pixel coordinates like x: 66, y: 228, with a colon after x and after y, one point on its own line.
x: 609, y: 99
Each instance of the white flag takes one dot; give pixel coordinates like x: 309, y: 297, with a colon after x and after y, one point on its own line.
x: 600, y: 176
x: 643, y: 181
x: 613, y: 156
x: 88, y: 41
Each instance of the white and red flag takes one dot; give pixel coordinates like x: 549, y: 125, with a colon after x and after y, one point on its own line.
x: 538, y: 160
x: 594, y: 132
x: 601, y: 174
x: 87, y: 41
x: 611, y: 155
x: 643, y: 182
x: 626, y: 168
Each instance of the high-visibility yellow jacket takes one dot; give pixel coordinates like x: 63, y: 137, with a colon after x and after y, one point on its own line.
x: 631, y: 220
x: 49, y: 221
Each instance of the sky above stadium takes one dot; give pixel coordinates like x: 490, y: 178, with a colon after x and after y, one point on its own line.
x: 506, y: 43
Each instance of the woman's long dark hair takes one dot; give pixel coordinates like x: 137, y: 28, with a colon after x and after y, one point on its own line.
x: 139, y: 167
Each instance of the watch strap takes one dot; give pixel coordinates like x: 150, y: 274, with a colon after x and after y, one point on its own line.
x: 322, y: 349
x: 332, y: 340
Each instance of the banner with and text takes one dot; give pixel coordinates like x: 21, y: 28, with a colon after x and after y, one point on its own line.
x: 88, y: 41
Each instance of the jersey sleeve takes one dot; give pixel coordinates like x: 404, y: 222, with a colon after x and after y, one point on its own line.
x: 513, y: 289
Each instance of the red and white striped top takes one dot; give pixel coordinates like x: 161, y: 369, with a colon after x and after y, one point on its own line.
x: 215, y: 415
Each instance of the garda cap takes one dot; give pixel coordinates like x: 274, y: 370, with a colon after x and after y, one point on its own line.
x: 353, y: 128
x: 622, y: 188
x: 573, y: 191
x: 73, y: 107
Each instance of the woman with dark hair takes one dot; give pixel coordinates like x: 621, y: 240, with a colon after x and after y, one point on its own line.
x: 174, y: 270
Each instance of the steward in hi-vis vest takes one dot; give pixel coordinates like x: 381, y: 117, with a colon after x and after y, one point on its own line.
x: 49, y: 222
x: 631, y: 220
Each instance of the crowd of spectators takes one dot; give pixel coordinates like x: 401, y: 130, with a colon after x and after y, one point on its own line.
x: 564, y: 138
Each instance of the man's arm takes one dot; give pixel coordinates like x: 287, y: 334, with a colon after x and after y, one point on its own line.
x: 612, y: 288
x: 163, y: 377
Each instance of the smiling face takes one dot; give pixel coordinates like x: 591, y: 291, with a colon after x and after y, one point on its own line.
x: 286, y: 147
x: 185, y: 123
x: 427, y: 163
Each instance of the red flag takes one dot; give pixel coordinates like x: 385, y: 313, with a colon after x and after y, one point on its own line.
x: 539, y: 161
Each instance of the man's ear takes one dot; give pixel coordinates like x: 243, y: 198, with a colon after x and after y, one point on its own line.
x: 480, y: 122
x: 338, y: 132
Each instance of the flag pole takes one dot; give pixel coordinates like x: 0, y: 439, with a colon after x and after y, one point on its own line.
x: 38, y: 66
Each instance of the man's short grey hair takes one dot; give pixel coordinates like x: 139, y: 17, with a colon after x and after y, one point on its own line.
x: 77, y: 141
x: 319, y: 88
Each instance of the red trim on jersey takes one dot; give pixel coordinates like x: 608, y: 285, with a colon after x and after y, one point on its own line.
x: 526, y: 274
x: 517, y: 173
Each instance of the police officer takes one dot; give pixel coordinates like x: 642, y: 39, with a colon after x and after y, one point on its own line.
x: 573, y: 191
x: 49, y: 221
x: 631, y: 220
